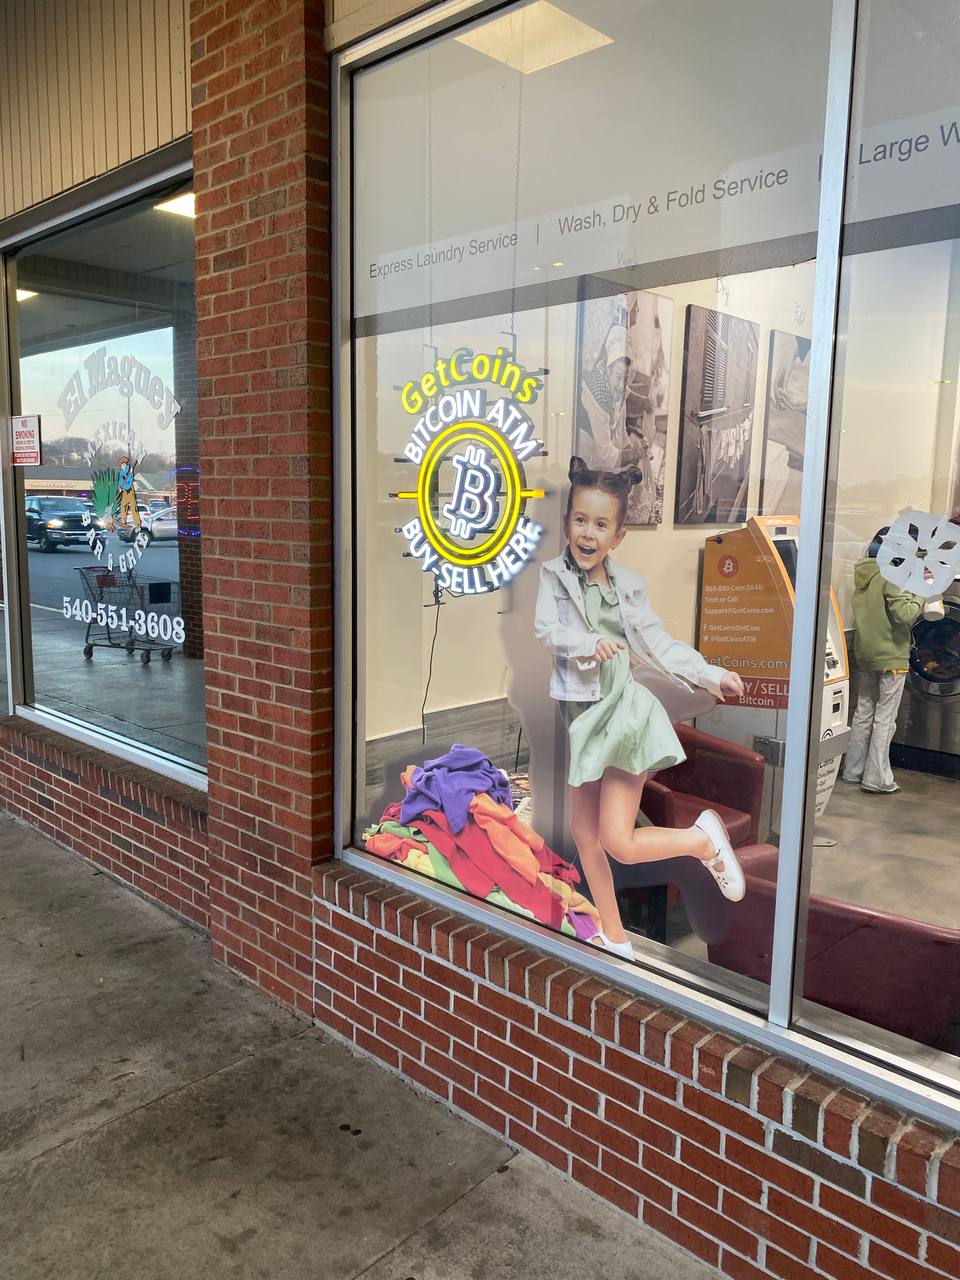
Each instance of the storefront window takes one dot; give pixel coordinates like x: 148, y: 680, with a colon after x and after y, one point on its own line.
x: 584, y: 266
x: 883, y: 923
x: 104, y: 326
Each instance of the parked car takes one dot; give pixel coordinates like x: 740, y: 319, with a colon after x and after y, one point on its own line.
x: 160, y: 525
x: 57, y: 522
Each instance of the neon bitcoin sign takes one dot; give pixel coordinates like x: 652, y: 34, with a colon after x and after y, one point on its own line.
x: 471, y: 530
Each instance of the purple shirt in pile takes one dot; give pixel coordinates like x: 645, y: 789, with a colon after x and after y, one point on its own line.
x: 450, y: 782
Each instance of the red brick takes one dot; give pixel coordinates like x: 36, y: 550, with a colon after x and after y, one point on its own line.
x: 640, y: 1126
x: 555, y: 1106
x: 722, y: 1113
x: 887, y: 1263
x: 567, y: 1088
x: 538, y: 1146
x: 766, y: 1225
x: 505, y: 1101
x: 496, y: 1048
x: 772, y: 1082
x: 444, y: 1065
x: 942, y: 1256
x: 610, y: 1135
x: 568, y: 1137
x: 840, y: 1115
x: 813, y: 1223
x: 656, y: 1026
x: 479, y: 1110
x: 436, y: 1084
x: 721, y: 1226
x: 839, y: 1266
x: 605, y: 1187
x: 710, y: 1061
x: 637, y: 1071
x: 505, y: 1006
x: 682, y: 1122
x: 915, y: 1147
x: 739, y: 1269
x: 379, y: 1048
x: 681, y: 1233
x: 605, y: 1013
x: 482, y: 1018
x: 563, y: 1034
x: 605, y: 1083
x: 638, y: 1179
x: 787, y: 1268
x: 721, y: 1171
x: 948, y: 1177
x: 676, y: 1174
x: 541, y: 1049
x: 681, y: 1046
x: 868, y: 1220
x: 583, y: 1002
x: 769, y: 1168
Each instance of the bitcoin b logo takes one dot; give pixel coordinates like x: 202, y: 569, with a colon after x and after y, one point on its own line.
x: 473, y: 507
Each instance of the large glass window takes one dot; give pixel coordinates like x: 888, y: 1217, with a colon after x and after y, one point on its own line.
x: 883, y: 920
x: 583, y: 278
x: 105, y: 332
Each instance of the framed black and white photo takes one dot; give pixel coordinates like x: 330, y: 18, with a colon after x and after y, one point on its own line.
x: 623, y: 381
x: 716, y: 417
x: 785, y: 424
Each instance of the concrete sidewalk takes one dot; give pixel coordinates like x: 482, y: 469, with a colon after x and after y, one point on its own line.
x: 160, y: 1121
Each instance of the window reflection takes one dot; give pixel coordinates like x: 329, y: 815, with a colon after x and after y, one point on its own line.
x: 107, y: 341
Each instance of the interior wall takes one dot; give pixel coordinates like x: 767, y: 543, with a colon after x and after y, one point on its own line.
x: 85, y: 86
x: 893, y: 322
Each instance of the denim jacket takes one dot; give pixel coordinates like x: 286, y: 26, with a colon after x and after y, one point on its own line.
x: 681, y: 678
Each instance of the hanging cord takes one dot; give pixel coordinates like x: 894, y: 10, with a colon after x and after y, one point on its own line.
x: 433, y: 645
x: 428, y: 185
x: 516, y: 216
x: 429, y: 196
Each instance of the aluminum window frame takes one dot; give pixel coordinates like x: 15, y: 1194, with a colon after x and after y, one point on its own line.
x: 139, y: 179
x: 903, y: 1081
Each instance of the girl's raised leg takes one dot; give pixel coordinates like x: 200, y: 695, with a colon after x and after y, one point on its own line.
x: 585, y: 829
x: 620, y: 794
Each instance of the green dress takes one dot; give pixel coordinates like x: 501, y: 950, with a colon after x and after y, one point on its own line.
x: 628, y: 727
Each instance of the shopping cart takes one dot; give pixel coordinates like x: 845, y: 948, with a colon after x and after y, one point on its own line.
x: 124, y: 611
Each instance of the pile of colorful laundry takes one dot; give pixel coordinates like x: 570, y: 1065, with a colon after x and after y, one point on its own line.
x: 456, y: 823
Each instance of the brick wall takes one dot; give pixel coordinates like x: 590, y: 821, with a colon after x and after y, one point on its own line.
x: 755, y: 1164
x: 187, y: 476
x: 261, y: 176
x: 147, y: 831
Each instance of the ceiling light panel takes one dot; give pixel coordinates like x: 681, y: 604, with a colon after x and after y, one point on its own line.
x: 537, y: 36
x: 184, y: 205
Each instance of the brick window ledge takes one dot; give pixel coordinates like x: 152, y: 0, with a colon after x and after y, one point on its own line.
x: 147, y: 830
x: 753, y: 1163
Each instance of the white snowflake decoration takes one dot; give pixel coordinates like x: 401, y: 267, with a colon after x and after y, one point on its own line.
x: 920, y: 553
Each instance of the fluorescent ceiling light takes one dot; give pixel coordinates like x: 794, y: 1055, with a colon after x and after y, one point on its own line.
x: 183, y: 205
x: 537, y: 36
x: 24, y: 294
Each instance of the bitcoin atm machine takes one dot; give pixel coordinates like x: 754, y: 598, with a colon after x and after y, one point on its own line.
x: 747, y: 595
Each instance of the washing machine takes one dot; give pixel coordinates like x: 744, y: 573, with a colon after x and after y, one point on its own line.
x: 929, y: 718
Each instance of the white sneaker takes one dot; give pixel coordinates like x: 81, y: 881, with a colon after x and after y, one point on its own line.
x: 730, y: 876
x: 622, y: 949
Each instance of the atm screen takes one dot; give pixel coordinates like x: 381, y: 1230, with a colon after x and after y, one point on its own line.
x: 787, y: 549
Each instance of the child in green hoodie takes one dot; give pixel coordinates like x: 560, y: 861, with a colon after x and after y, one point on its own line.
x: 884, y: 616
